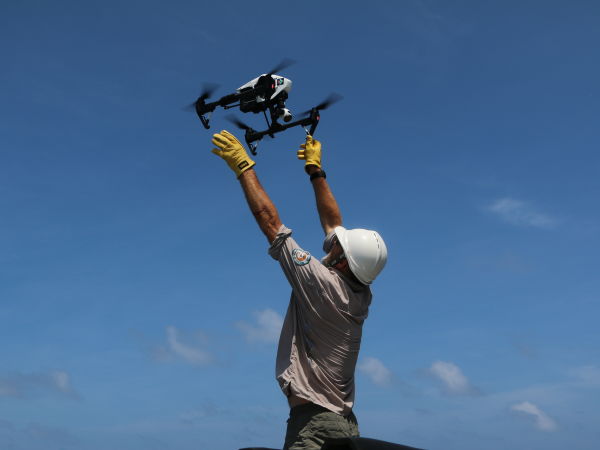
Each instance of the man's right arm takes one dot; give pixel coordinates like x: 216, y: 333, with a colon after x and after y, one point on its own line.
x: 234, y: 153
x: 329, y: 211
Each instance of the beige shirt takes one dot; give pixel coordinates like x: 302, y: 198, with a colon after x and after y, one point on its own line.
x: 321, y: 334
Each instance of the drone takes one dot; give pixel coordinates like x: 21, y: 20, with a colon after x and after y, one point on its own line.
x: 267, y: 92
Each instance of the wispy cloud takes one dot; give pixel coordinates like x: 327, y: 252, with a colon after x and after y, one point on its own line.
x: 22, y: 385
x: 150, y: 442
x: 376, y: 371
x: 587, y: 375
x: 519, y: 213
x: 453, y: 380
x: 35, y: 436
x: 61, y: 380
x: 198, y: 415
x: 9, y: 388
x: 51, y: 436
x: 180, y: 347
x: 542, y: 420
x: 266, y: 327
x: 525, y: 348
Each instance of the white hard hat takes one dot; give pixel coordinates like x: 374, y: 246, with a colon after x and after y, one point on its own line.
x: 365, y: 251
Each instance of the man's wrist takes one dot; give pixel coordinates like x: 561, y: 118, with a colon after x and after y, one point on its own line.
x: 312, y: 169
x: 318, y: 174
x: 243, y: 173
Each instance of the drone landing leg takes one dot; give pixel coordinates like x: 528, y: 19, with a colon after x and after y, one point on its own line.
x: 252, y: 147
x: 252, y: 143
x: 205, y: 119
x: 267, y: 120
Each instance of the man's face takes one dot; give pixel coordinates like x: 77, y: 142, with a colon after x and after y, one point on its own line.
x: 336, y: 258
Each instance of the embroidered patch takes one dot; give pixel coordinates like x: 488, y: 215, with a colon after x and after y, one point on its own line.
x: 300, y: 257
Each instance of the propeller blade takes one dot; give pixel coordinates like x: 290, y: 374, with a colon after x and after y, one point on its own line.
x: 237, y: 122
x: 333, y: 98
x: 208, y: 89
x: 284, y: 64
x: 191, y: 107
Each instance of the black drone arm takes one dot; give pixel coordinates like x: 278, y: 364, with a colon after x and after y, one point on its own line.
x: 202, y: 109
x: 315, y: 117
x: 252, y: 136
x: 312, y: 120
x: 228, y: 99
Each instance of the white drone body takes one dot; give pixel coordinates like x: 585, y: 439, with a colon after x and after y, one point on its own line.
x: 281, y: 84
x: 266, y: 89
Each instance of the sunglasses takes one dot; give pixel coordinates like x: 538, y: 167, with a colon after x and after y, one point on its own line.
x: 341, y: 257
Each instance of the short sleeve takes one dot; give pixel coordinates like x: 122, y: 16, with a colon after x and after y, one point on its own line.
x: 307, y: 276
x: 279, y: 242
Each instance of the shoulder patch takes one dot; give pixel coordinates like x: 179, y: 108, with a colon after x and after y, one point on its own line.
x: 300, y: 257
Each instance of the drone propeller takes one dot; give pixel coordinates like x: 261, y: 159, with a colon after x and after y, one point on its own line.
x: 190, y: 107
x: 284, y: 64
x: 333, y: 98
x: 208, y: 90
x: 237, y: 122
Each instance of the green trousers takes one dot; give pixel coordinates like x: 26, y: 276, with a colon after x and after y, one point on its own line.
x: 309, y: 425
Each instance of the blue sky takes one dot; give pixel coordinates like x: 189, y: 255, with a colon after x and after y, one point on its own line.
x: 138, y: 306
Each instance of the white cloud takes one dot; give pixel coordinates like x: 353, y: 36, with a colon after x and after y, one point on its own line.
x: 519, y: 213
x: 27, y: 384
x: 452, y: 378
x: 542, y: 420
x: 189, y: 353
x: 61, y: 380
x: 376, y: 371
x: 267, y: 326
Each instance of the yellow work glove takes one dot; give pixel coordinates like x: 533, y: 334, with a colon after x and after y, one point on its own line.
x: 311, y: 152
x: 232, y: 151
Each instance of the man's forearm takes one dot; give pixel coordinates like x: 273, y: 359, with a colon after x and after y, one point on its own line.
x: 260, y: 204
x: 329, y: 211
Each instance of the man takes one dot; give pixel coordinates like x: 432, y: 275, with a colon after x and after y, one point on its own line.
x: 321, y: 334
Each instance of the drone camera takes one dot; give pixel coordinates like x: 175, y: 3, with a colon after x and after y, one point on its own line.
x: 285, y: 114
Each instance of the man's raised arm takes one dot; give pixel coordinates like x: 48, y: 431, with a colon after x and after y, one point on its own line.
x: 263, y: 209
x: 329, y: 211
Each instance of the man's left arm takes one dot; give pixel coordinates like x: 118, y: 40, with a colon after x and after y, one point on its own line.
x: 263, y: 209
x: 329, y: 211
